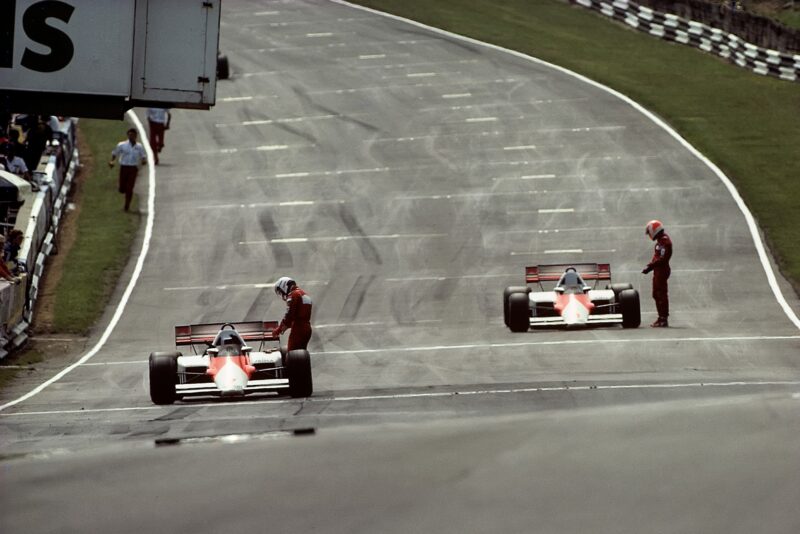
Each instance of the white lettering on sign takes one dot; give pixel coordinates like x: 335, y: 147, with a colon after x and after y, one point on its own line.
x: 78, y: 46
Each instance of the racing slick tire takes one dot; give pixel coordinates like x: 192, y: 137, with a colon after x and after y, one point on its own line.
x: 629, y: 307
x: 519, y: 312
x: 506, y: 293
x: 223, y: 68
x: 298, y: 365
x: 618, y: 288
x: 163, y: 377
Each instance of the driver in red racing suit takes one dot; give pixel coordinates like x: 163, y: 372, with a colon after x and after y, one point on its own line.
x: 298, y: 313
x: 661, y: 271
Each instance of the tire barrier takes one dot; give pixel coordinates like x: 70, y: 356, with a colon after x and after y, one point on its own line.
x: 698, y: 35
x: 39, y: 219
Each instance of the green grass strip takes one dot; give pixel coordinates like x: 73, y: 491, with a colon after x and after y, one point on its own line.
x: 105, y: 234
x: 749, y: 125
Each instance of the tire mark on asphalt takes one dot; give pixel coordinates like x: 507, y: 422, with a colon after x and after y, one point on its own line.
x: 355, y: 298
x: 255, y: 311
x: 365, y: 245
x: 178, y: 414
x: 280, y: 251
x: 303, y: 95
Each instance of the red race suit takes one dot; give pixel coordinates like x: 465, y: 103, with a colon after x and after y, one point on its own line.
x: 297, y: 319
x: 660, y: 267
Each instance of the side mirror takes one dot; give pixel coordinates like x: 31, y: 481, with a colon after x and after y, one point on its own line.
x: 587, y: 288
x: 212, y: 351
x: 558, y: 289
x: 246, y: 349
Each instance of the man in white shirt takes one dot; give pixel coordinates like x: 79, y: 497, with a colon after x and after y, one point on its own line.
x: 131, y: 154
x: 158, y: 120
x: 16, y: 164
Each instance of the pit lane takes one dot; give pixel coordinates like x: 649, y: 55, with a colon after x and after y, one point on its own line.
x: 411, y: 177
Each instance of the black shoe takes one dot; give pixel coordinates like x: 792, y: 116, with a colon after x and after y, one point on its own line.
x: 661, y: 322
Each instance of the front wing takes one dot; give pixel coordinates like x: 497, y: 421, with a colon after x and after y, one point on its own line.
x: 608, y: 318
x: 253, y: 386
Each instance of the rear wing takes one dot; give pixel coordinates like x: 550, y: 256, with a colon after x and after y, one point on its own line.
x: 536, y: 274
x: 205, y: 333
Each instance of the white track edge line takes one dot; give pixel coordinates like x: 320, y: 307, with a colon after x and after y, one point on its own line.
x: 148, y: 232
x: 751, y: 222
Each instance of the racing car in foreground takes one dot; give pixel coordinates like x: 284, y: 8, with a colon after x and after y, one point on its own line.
x: 571, y: 302
x: 227, y: 366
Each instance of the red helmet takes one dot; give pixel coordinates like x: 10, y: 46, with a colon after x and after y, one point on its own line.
x: 653, y: 228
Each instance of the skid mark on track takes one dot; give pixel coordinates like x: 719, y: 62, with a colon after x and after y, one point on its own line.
x: 354, y: 228
x: 280, y: 251
x: 355, y: 299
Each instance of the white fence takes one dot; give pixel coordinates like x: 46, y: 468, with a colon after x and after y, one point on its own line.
x: 39, y: 221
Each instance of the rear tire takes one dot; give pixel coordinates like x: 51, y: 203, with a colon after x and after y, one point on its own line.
x: 163, y: 377
x: 298, y: 365
x: 223, y: 68
x: 519, y: 312
x: 629, y: 307
x: 506, y: 293
x: 618, y: 288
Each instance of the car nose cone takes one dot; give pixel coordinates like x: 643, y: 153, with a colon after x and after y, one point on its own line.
x: 231, y: 380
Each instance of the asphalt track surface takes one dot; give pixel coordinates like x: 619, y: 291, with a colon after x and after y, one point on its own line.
x: 404, y: 178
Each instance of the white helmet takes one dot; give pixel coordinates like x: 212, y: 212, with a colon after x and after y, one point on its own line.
x: 653, y: 228
x: 284, y: 286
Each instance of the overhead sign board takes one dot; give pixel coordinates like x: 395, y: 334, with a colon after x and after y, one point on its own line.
x: 113, y: 52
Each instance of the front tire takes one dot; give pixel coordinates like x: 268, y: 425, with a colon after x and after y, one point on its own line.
x: 519, y: 312
x: 506, y: 293
x: 223, y: 68
x: 298, y: 365
x: 163, y: 377
x: 629, y: 307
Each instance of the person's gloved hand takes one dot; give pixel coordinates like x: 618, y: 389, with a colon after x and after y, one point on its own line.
x: 647, y: 269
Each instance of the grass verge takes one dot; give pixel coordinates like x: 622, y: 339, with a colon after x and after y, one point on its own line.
x: 749, y: 125
x: 104, y: 235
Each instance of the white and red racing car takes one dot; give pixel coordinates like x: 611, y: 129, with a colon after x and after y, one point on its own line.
x: 571, y: 301
x: 226, y: 365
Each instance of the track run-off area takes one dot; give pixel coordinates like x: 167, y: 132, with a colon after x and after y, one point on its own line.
x: 404, y: 176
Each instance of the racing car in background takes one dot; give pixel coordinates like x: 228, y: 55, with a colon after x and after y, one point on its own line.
x: 226, y: 365
x: 571, y: 301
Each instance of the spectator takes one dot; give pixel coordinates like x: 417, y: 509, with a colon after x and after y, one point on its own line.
x: 131, y: 154
x: 158, y: 119
x: 13, y: 140
x: 37, y: 139
x: 16, y: 164
x: 11, y: 251
x: 5, y: 274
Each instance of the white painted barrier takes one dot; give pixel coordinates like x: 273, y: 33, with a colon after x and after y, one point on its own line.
x: 39, y: 221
